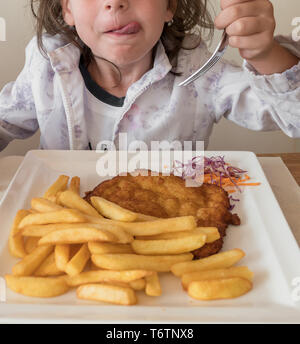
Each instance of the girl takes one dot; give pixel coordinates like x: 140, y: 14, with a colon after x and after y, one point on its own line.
x: 106, y: 67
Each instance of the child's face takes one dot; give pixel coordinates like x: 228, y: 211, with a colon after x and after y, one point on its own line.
x: 141, y: 23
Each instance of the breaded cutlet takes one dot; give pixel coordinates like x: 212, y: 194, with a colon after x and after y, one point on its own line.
x: 167, y: 196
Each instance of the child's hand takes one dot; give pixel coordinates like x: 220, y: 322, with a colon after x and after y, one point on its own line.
x: 250, y: 25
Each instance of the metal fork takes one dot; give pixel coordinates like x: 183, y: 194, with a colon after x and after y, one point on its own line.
x: 218, y: 53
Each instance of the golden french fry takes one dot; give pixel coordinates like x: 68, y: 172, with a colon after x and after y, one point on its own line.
x: 59, y: 216
x: 37, y: 286
x: 174, y: 224
x: 72, y: 200
x: 43, y: 205
x: 78, y: 235
x: 139, y: 284
x: 111, y: 226
x: 112, y: 210
x: 235, y: 271
x: 106, y: 247
x: 226, y: 288
x: 215, y: 261
x: 211, y: 233
x: 107, y: 293
x: 142, y: 218
x: 48, y: 267
x: 32, y: 261
x: 31, y: 243
x: 75, y: 185
x: 62, y: 256
x: 78, y: 262
x: 110, y: 276
x: 153, y: 287
x: 139, y: 262
x: 15, y: 240
x: 59, y: 185
x: 169, y: 246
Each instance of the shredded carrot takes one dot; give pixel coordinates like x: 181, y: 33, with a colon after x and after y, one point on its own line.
x: 226, y: 181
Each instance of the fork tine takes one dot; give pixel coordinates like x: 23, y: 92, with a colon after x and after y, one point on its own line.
x: 216, y: 56
x: 209, y: 64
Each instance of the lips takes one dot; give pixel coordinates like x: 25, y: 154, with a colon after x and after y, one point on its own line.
x: 128, y: 29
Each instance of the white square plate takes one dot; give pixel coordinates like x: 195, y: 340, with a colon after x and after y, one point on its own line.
x: 271, y: 253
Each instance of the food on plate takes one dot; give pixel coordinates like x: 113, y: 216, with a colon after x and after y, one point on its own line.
x: 59, y: 216
x: 32, y: 261
x: 211, y: 234
x: 223, y: 288
x: 235, y: 271
x: 48, y: 267
x: 16, y: 241
x: 153, y: 287
x: 110, y: 276
x: 112, y: 210
x: 78, y: 235
x: 75, y: 185
x: 109, y: 253
x: 169, y: 246
x: 217, y: 261
x: 107, y: 247
x: 59, y: 185
x: 78, y: 261
x: 43, y: 205
x: 168, y: 197
x: 37, y: 286
x: 73, y: 200
x: 107, y: 293
x: 134, y: 261
x: 62, y: 255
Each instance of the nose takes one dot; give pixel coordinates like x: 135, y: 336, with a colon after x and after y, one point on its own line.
x: 115, y: 5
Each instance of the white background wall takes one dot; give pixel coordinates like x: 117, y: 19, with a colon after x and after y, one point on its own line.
x: 226, y: 135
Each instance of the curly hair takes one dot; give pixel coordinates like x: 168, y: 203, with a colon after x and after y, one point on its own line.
x: 190, y: 18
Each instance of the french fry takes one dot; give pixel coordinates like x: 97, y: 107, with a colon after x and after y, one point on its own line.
x: 48, y: 267
x: 226, y: 288
x: 43, y: 205
x: 59, y: 185
x: 75, y: 185
x: 110, y: 276
x: 78, y: 262
x: 59, y: 216
x: 37, y: 286
x: 153, y: 287
x: 112, y: 210
x: 235, y: 271
x: 16, y: 241
x: 78, y: 235
x: 62, y: 256
x: 32, y: 261
x: 139, y: 284
x: 216, y: 261
x: 106, y: 247
x: 142, y: 218
x: 107, y: 293
x: 138, y: 262
x: 72, y: 200
x: 211, y: 233
x: 169, y: 246
x: 31, y: 243
x: 174, y: 224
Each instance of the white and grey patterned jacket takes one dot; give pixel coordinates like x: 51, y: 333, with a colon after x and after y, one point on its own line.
x: 49, y: 94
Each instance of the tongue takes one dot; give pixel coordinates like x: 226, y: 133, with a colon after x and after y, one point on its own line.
x: 130, y: 28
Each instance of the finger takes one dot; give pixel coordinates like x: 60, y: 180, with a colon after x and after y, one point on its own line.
x: 248, y: 26
x: 256, y: 41
x: 246, y: 9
